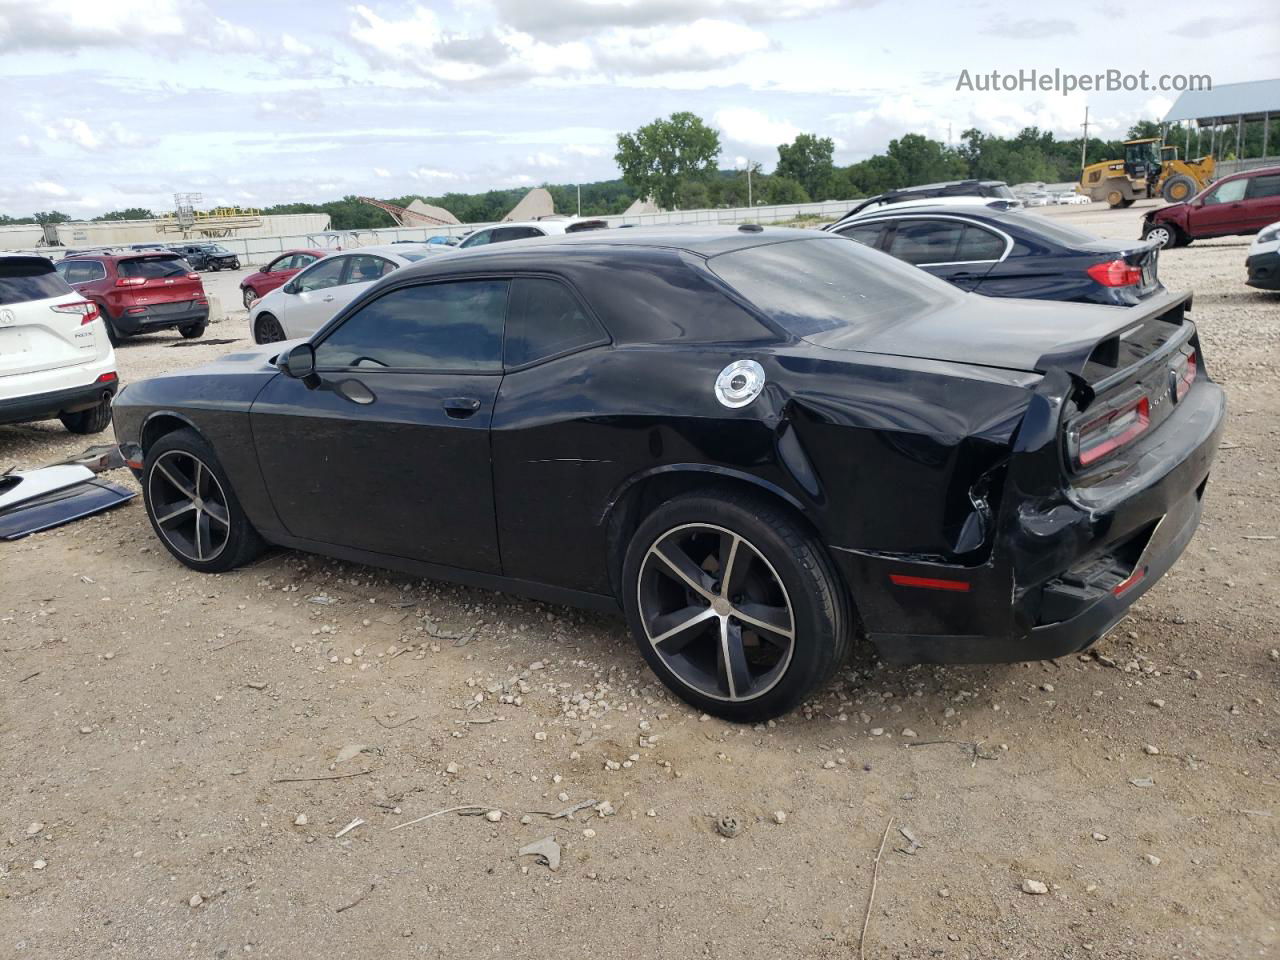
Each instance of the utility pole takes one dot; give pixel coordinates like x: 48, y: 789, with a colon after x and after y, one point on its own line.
x: 749, y: 198
x: 948, y: 134
x: 1084, y: 140
x: 579, y: 199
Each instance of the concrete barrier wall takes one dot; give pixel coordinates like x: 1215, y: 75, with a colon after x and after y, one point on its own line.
x: 258, y: 250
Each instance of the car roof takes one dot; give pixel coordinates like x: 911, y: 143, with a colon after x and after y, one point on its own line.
x: 1245, y: 174
x: 121, y: 255
x: 700, y: 240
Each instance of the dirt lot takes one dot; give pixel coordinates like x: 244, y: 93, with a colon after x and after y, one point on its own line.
x: 155, y: 724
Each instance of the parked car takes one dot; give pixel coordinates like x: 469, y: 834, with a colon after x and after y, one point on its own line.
x: 140, y: 292
x: 1011, y: 253
x: 1240, y: 204
x: 862, y: 211
x: 1263, y: 262
x: 989, y: 190
x: 444, y: 239
x: 55, y: 357
x: 529, y: 229
x: 307, y: 301
x: 207, y: 256
x: 277, y: 273
x: 1036, y: 199
x: 740, y: 436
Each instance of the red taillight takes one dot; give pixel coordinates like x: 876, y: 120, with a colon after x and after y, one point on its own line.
x: 130, y: 281
x: 1186, y: 377
x: 929, y: 583
x: 1115, y: 273
x: 107, y: 378
x: 193, y: 276
x: 87, y: 309
x: 1131, y: 581
x: 1106, y: 434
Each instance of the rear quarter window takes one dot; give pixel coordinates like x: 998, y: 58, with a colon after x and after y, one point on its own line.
x: 23, y: 279
x: 153, y: 267
x: 811, y: 286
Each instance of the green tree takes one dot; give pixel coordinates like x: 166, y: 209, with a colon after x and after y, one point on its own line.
x: 658, y: 156
x: 129, y: 213
x: 778, y: 189
x: 925, y: 161
x: 50, y: 216
x: 807, y: 161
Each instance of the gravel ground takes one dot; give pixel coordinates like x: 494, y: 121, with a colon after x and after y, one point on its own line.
x: 161, y: 733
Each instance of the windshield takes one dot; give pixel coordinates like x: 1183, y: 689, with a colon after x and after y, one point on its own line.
x: 1034, y: 223
x: 214, y: 248
x: 834, y: 286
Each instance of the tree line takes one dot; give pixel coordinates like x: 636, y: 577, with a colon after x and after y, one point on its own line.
x: 676, y: 162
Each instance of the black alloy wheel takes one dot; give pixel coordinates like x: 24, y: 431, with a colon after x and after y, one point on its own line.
x: 734, y: 604
x: 267, y: 329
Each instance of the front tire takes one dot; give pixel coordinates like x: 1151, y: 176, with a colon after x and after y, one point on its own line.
x: 93, y: 420
x: 267, y: 329
x: 734, y: 606
x: 192, y: 507
x: 248, y: 295
x: 1164, y: 234
x: 1178, y: 189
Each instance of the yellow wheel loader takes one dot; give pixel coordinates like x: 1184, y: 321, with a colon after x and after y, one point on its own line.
x: 1149, y: 169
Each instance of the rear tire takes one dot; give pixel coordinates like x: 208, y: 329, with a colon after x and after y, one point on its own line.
x: 192, y: 331
x: 777, y: 571
x: 267, y: 329
x: 192, y: 506
x: 93, y: 420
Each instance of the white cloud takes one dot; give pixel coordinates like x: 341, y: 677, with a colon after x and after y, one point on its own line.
x: 703, y: 44
x: 748, y: 126
x: 580, y: 18
x: 47, y: 188
x: 381, y: 172
x: 587, y: 150
x: 543, y: 160
x: 28, y: 26
x: 428, y: 173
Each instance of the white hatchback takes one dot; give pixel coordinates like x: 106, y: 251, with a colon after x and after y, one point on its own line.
x: 55, y: 358
x: 311, y: 298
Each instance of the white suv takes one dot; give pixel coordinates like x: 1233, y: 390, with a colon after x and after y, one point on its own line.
x: 55, y: 358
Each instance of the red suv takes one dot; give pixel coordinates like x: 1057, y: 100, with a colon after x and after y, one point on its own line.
x: 277, y: 273
x: 139, y: 292
x: 1242, y: 203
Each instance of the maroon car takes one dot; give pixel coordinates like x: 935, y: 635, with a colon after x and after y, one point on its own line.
x: 1242, y: 203
x: 277, y: 273
x: 139, y: 292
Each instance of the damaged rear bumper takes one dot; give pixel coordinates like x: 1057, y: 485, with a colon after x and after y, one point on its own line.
x: 1064, y: 569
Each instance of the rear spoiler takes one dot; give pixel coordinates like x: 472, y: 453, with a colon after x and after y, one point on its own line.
x: 1105, y: 350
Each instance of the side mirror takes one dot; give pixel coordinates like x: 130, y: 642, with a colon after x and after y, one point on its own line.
x: 299, y: 363
x: 290, y: 287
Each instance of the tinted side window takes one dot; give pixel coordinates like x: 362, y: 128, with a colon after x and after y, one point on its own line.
x: 545, y: 320
x: 926, y: 241
x: 81, y: 271
x: 454, y: 326
x: 867, y: 233
x: 29, y: 278
x: 366, y: 268
x: 326, y: 274
x: 979, y: 244
x: 477, y: 239
x: 503, y: 234
x: 1268, y: 186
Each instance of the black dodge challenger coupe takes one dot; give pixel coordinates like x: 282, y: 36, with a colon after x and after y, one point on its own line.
x: 753, y: 441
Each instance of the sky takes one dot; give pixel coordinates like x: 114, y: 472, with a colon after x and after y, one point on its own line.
x: 109, y: 104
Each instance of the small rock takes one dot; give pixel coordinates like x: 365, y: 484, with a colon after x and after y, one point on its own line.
x: 1274, y: 654
x: 493, y: 816
x: 908, y: 732
x: 1194, y: 675
x: 34, y: 828
x: 604, y: 808
x: 540, y: 735
x: 39, y: 865
x: 1034, y: 887
x: 1047, y: 687
x: 779, y: 816
x: 588, y: 833
x: 1152, y: 859
x: 944, y: 893
x: 1100, y: 837
x: 651, y: 812
x: 195, y: 900
x: 728, y: 826
x: 86, y: 729
x: 300, y: 820
x: 1142, y: 782
x: 1151, y: 750
x: 877, y: 731
x: 1157, y: 703
x: 451, y: 768
x: 829, y: 765
x: 256, y: 685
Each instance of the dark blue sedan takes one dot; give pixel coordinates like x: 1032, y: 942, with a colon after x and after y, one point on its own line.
x: 1011, y: 253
